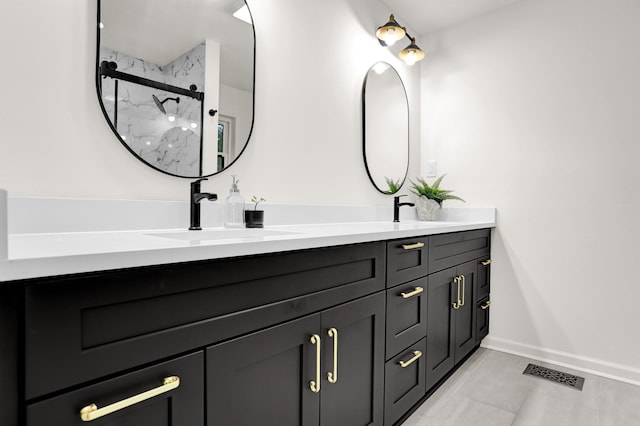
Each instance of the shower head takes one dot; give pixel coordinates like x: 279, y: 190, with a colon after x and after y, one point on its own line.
x: 160, y: 104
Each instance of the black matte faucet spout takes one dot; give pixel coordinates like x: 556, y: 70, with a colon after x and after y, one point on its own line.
x: 396, y: 207
x: 196, y: 197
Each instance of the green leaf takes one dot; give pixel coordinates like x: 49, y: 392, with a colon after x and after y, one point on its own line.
x: 432, y: 192
x: 394, y: 186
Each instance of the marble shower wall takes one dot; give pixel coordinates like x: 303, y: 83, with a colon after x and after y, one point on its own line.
x: 172, y: 146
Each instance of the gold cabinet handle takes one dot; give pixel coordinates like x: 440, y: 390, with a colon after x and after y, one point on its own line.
x: 332, y: 376
x: 456, y: 304
x: 315, y: 384
x: 412, y: 246
x: 486, y: 262
x: 92, y: 412
x: 415, y: 292
x: 464, y: 281
x: 416, y: 355
x: 486, y: 305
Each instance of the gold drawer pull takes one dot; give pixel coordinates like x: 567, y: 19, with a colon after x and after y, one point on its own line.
x: 332, y: 376
x: 464, y: 281
x: 456, y: 304
x: 486, y: 262
x: 416, y: 291
x: 92, y: 412
x: 412, y: 246
x: 315, y: 384
x: 416, y: 355
x: 486, y: 305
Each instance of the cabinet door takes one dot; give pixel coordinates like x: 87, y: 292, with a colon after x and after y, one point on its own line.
x: 465, y: 316
x: 356, y: 397
x: 263, y: 378
x: 172, y: 406
x: 441, y: 293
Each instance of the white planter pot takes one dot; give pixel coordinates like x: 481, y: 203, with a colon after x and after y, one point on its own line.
x: 427, y: 209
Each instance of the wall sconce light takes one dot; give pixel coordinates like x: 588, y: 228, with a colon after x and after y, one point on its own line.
x: 412, y: 53
x: 391, y: 32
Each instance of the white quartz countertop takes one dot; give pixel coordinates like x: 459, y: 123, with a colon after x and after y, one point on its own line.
x: 44, y: 255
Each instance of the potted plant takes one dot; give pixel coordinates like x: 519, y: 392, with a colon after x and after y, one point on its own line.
x: 254, y: 218
x: 429, y: 198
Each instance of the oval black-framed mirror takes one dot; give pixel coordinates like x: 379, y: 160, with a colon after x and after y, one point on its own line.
x: 385, y: 128
x: 171, y: 66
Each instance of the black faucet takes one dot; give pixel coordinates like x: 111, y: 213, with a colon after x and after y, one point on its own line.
x: 196, y: 197
x: 396, y: 207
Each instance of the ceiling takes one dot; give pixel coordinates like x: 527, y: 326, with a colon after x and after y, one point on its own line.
x: 160, y: 34
x: 426, y: 16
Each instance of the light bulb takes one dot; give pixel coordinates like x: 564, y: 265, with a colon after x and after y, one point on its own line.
x: 194, y: 125
x: 390, y: 37
x: 184, y: 129
x: 171, y: 118
x: 410, y: 59
x: 148, y: 143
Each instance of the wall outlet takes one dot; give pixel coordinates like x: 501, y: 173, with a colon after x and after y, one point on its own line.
x: 432, y: 169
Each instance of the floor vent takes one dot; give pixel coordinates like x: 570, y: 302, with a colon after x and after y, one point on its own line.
x: 570, y: 380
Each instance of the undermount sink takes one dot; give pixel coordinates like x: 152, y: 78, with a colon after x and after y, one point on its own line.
x: 223, y: 234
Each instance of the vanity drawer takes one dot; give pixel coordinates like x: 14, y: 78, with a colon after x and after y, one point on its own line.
x: 482, y: 319
x: 83, y: 328
x: 446, y: 250
x: 484, y: 277
x: 178, y: 402
x: 404, y: 381
x: 406, y: 315
x: 406, y: 260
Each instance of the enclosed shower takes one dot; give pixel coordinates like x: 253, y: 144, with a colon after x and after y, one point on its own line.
x: 159, y: 122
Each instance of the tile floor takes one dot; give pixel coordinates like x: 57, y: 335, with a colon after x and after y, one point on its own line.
x: 490, y: 390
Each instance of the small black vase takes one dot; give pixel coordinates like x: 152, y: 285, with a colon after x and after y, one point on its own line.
x: 254, y: 218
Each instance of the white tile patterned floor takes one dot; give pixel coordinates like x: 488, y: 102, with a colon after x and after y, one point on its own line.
x: 490, y: 390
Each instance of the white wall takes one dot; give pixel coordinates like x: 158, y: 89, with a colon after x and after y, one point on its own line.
x: 535, y: 109
x: 306, y: 145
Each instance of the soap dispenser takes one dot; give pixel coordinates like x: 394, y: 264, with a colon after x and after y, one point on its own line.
x: 235, y: 207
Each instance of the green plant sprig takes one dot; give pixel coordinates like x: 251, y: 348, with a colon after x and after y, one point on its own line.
x: 394, y: 185
x: 433, y: 192
x: 257, y: 201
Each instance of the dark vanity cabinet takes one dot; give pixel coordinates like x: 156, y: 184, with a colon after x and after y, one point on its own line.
x: 432, y: 312
x: 323, y: 369
x: 406, y: 327
x: 346, y: 335
x: 89, y: 339
x: 452, y: 296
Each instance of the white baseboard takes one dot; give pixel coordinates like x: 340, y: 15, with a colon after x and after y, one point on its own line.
x: 610, y: 370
